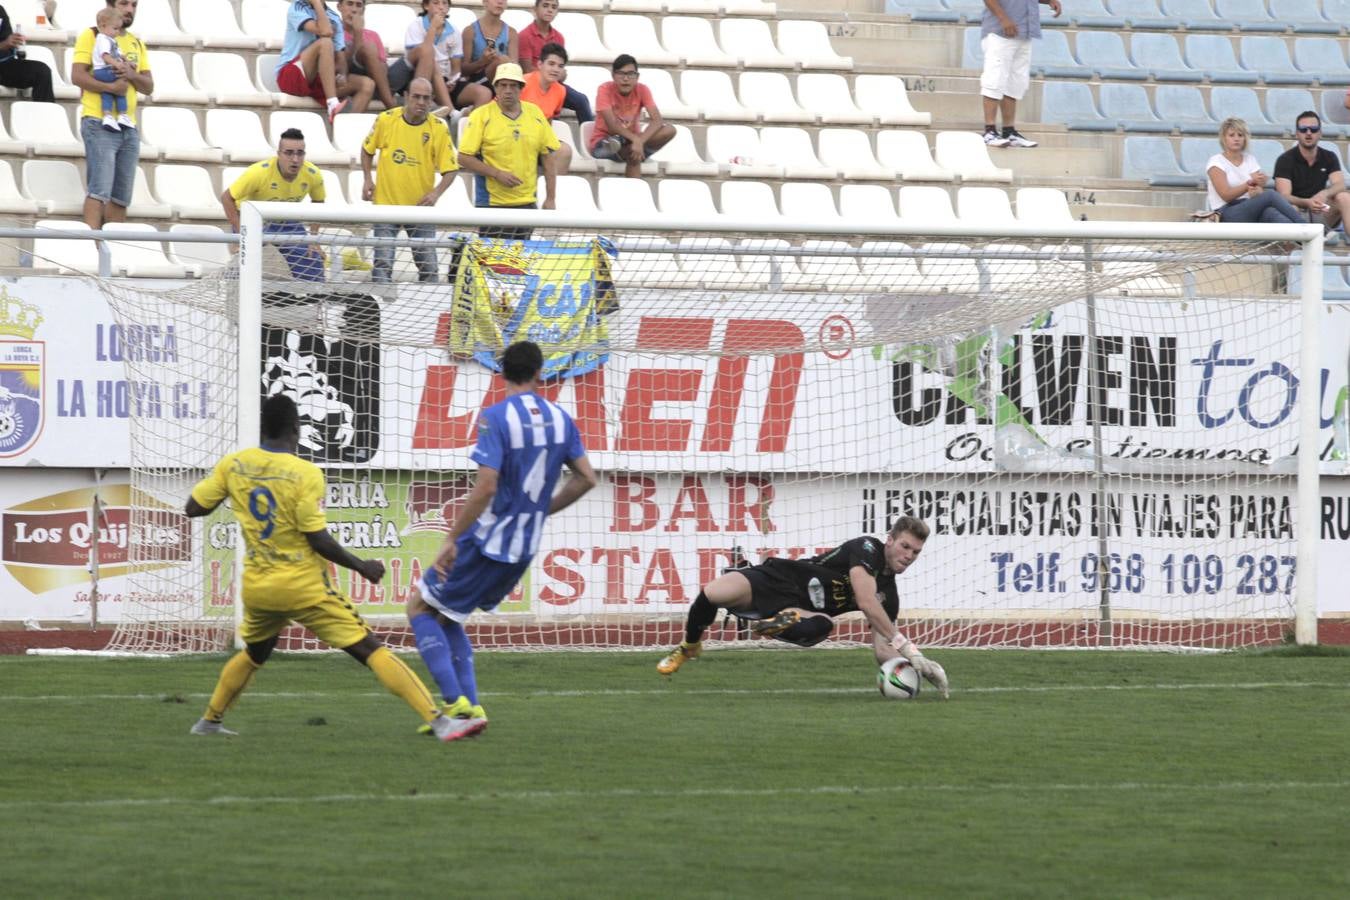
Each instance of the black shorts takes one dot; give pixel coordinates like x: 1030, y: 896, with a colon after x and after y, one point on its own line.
x: 779, y: 584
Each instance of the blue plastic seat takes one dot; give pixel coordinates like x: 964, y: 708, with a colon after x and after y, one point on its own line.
x: 1091, y: 14
x: 1052, y: 58
x: 1266, y: 152
x: 1195, y: 153
x: 972, y: 51
x: 930, y: 11
x: 1071, y: 103
x: 1184, y: 107
x: 1334, y: 286
x: 1321, y: 59
x: 968, y: 10
x: 1283, y: 106
x: 1269, y: 58
x: 1304, y: 16
x: 1160, y: 56
x: 1128, y: 105
x: 1152, y: 159
x: 1225, y: 101
x: 1333, y: 108
x: 1247, y: 15
x: 1213, y: 54
x: 1142, y: 14
x: 1104, y: 53
x: 1196, y: 15
x: 1336, y: 10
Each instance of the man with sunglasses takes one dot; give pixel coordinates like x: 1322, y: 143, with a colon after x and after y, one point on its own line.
x: 1309, y: 175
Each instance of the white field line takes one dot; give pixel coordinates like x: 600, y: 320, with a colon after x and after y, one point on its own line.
x: 669, y: 690
x: 545, y: 796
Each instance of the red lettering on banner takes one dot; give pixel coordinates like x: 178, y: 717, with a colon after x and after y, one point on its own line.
x: 755, y: 515
x: 692, y: 493
x: 222, y: 592
x: 436, y: 428
x: 638, y: 429
x: 634, y: 491
x: 668, y: 582
x: 614, y: 572
x: 568, y: 577
x: 744, y: 336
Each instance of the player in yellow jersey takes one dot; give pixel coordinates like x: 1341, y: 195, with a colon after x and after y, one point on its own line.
x: 278, y: 501
x: 413, y: 147
x: 504, y: 144
x: 287, y: 178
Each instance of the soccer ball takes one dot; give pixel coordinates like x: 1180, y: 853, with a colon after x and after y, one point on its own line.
x: 897, y: 679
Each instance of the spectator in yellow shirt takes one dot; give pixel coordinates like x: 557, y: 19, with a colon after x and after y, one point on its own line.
x: 413, y: 148
x: 286, y: 178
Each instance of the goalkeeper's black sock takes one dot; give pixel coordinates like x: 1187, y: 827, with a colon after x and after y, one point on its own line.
x: 701, y: 615
x: 811, y: 630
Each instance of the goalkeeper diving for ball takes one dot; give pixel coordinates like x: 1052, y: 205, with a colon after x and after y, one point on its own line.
x: 796, y: 600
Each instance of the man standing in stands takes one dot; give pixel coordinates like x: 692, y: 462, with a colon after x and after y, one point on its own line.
x: 413, y: 148
x: 110, y: 156
x: 619, y: 133
x: 287, y: 178
x: 1006, y: 32
x: 17, y: 71
x: 1309, y: 175
x: 313, y: 61
x: 366, y: 55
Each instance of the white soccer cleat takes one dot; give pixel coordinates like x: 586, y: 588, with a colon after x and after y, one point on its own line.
x: 933, y: 673
x: 206, y: 726
x: 447, y: 728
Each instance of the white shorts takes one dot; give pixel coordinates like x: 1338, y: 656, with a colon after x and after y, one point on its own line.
x: 1007, y: 67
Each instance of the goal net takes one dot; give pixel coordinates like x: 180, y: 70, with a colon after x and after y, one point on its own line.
x: 1100, y: 424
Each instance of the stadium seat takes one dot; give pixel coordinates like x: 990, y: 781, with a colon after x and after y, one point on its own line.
x: 1321, y: 59
x: 1266, y: 152
x: 45, y: 127
x: 266, y: 22
x: 583, y: 40
x: 1195, y: 15
x: 827, y: 97
x: 948, y: 273
x: 867, y: 204
x: 226, y: 78
x: 8, y: 144
x: 172, y: 133
x: 808, y: 202
x: 850, y: 152
x: 1160, y: 56
x: 711, y: 94
x: 573, y: 195
x: 693, y: 39
x: 239, y: 134
x: 885, y: 97
x: 1243, y: 103
x: 651, y: 167
x: 625, y: 196
x: 143, y: 202
x: 334, y: 195
x: 1054, y: 59
x: 966, y: 10
x: 1142, y: 14
x: 349, y: 133
x: 1129, y: 107
x: 984, y: 206
x: 389, y: 20
x: 1332, y: 106
x: 318, y: 149
x: 172, y: 85
x: 1092, y: 14
x: 652, y: 264
x: 1304, y: 17
x: 1152, y: 159
x: 819, y: 266
x: 1072, y: 104
x: 62, y: 89
x: 27, y: 12
x: 685, y: 198
x: 1182, y: 106
x: 1043, y: 206
x: 972, y: 49
x: 907, y: 152
x: 1268, y: 57
x: 662, y: 86
x: 1146, y: 283
x: 581, y: 162
x: 1247, y: 15
x: 456, y: 197
x: 748, y: 200
x: 680, y: 157
x: 189, y: 190
x: 218, y: 28
x: 726, y: 270
x: 587, y: 79
x: 140, y: 259
x: 1283, y: 106
x: 265, y: 69
x: 1195, y: 153
x: 809, y: 44
x: 196, y: 257
x: 769, y: 94
x: 892, y: 267
x: 921, y: 205
x: 738, y: 148
x: 751, y: 42
x: 1104, y: 53
x: 65, y: 255
x: 1333, y: 282
x: 12, y: 200
x: 520, y: 19
x: 965, y: 154
x: 708, y: 7
x: 461, y: 17
x: 637, y: 36
x: 1213, y: 55
x: 156, y: 25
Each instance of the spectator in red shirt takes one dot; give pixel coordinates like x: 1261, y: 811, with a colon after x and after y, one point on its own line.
x: 544, y: 88
x: 365, y: 51
x: 533, y: 37
x: 619, y: 134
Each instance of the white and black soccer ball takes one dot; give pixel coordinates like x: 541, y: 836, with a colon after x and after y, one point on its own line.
x: 898, y: 680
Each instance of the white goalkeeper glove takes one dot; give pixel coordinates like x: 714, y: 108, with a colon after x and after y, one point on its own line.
x: 933, y: 673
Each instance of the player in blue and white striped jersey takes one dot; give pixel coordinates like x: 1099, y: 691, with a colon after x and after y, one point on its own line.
x: 523, y: 443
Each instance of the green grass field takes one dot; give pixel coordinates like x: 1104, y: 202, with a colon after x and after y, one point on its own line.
x: 750, y: 774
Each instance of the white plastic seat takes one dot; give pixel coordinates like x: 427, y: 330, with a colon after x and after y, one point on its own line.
x: 738, y: 148
x: 8, y: 144
x: 723, y: 270
x: 349, y: 133
x: 650, y: 167
x: 196, y: 257
x: 218, y: 28
x: 808, y: 202
x: 708, y: 8
x: 156, y: 25
x: 765, y: 8
x: 828, y: 98
x: 748, y: 200
x: 891, y: 266
x: 238, y: 133
x: 266, y: 20
x: 907, y: 153
x: 226, y: 78
x: 966, y: 154
x: 791, y: 148
x: 1146, y: 281
x: 638, y: 6
x: 388, y: 20
x: 27, y: 12
x: 850, y: 151
x: 587, y: 79
x: 140, y: 259
x: 685, y: 198
x: 867, y: 203
x: 143, y: 202
x: 518, y: 19
x: 265, y: 71
x: 984, y: 206
x: 189, y: 190
x: 769, y: 94
x: 652, y: 264
x: 711, y: 94
x: 65, y: 255
x: 56, y: 186
x: 628, y: 196
x: 45, y: 127
x: 693, y: 39
x: 12, y: 200
x: 581, y: 162
x: 583, y: 40
x: 456, y: 196
x: 885, y: 97
x: 948, y: 272
x: 751, y: 42
x: 62, y: 89
x: 318, y: 149
x: 662, y: 86
x: 172, y: 133
x: 809, y: 43
x: 1043, y: 206
x: 926, y: 205
x: 461, y: 17
x: 332, y: 187
x: 680, y: 157
x: 172, y: 85
x: 637, y: 36
x: 826, y: 272
x: 1011, y: 275
x: 573, y: 195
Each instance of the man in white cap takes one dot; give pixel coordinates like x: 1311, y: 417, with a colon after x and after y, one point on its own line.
x: 505, y: 144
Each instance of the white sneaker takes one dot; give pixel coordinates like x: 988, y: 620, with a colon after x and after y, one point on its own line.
x: 932, y: 672
x: 110, y: 123
x: 206, y: 726
x: 335, y: 106
x: 994, y: 139
x: 448, y: 728
x: 125, y: 121
x: 1015, y: 138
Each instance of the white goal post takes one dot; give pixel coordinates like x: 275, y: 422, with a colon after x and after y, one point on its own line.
x: 1100, y: 422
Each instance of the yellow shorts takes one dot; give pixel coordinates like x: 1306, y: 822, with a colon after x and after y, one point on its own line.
x: 333, y: 619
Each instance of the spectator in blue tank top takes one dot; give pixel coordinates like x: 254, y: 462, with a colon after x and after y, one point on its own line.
x: 488, y: 43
